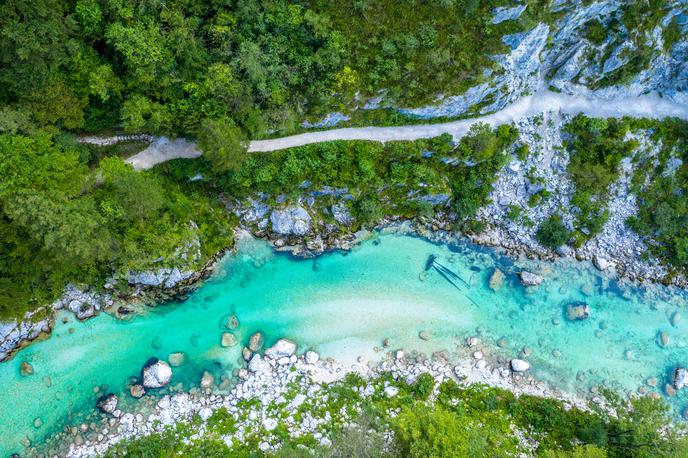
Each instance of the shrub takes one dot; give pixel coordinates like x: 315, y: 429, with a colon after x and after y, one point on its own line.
x: 552, y: 233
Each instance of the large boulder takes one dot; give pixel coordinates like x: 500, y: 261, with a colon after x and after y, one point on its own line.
x: 156, y: 373
x: 577, y: 311
x: 496, y: 280
x: 282, y: 348
x: 518, y: 365
x: 291, y: 221
x: 602, y: 263
x: 529, y: 278
x: 256, y: 341
x: 207, y: 380
x: 107, y: 403
x: 258, y: 365
x: 311, y: 357
x: 680, y: 378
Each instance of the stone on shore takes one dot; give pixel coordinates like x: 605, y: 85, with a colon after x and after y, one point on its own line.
x: 177, y: 358
x: 207, y: 380
x: 25, y: 369
x: 496, y: 280
x: 282, y: 348
x: 137, y: 391
x: 311, y: 357
x: 518, y: 365
x: 258, y: 365
x: 602, y: 263
x: 680, y: 378
x: 529, y: 278
x: 156, y: 373
x: 577, y: 311
x: 228, y: 339
x: 256, y: 342
x: 107, y: 403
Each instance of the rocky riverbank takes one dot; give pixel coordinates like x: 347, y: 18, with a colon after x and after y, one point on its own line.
x: 279, y: 390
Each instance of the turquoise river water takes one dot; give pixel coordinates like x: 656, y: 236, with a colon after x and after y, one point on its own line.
x: 344, y: 304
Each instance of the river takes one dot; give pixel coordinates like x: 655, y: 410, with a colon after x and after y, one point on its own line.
x: 343, y: 305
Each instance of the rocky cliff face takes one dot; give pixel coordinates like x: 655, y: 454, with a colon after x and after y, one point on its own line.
x: 588, y: 50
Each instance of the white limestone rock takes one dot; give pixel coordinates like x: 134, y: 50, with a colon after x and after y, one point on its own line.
x: 282, y: 348
x: 291, y: 221
x: 519, y: 365
x: 156, y: 373
x: 311, y: 357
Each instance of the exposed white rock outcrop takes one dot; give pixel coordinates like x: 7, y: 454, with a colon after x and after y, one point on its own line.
x: 291, y: 221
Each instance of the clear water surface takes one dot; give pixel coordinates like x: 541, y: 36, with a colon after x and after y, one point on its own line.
x: 344, y: 304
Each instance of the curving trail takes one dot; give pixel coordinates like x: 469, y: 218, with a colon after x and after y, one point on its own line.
x: 650, y: 106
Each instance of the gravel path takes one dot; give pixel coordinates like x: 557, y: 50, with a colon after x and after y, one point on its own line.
x: 653, y: 106
x: 644, y: 106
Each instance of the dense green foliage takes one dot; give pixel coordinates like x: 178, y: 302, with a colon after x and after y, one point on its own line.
x: 241, y: 68
x: 462, y: 421
x: 64, y: 221
x: 380, y: 177
x: 661, y: 188
x: 553, y: 233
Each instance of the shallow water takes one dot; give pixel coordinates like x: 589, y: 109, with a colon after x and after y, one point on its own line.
x: 343, y: 305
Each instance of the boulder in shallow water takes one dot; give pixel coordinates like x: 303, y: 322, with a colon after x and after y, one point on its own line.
x: 177, y: 358
x: 577, y: 311
x: 156, y: 373
x: 530, y: 278
x: 25, y: 369
x: 663, y: 339
x: 424, y: 335
x: 228, y: 339
x: 519, y: 365
x: 496, y: 280
x: 246, y: 353
x: 675, y: 319
x: 680, y: 378
x: 107, y: 403
x: 137, y: 391
x: 282, y: 348
x: 232, y: 322
x: 207, y: 380
x: 256, y: 342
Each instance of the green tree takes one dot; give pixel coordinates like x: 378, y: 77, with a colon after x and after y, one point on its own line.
x: 223, y: 144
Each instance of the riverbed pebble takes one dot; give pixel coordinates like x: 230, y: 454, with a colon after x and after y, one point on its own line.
x: 256, y: 342
x: 228, y: 339
x: 177, y: 359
